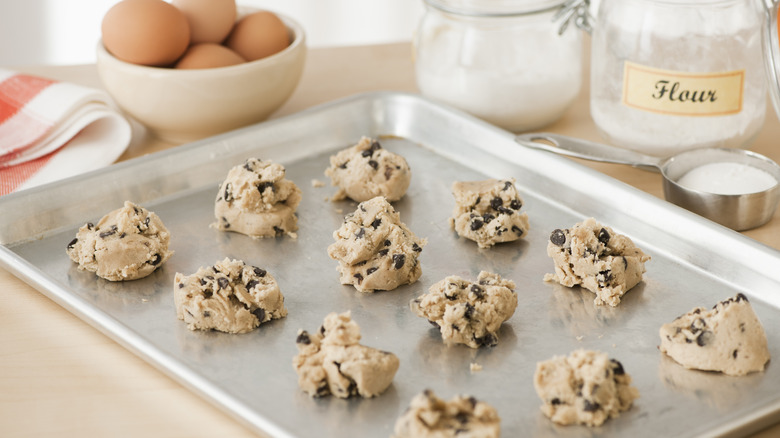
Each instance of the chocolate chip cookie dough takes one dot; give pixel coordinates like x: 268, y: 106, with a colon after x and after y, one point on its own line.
x: 366, y: 170
x: 229, y: 296
x: 586, y: 387
x: 257, y: 200
x: 487, y: 212
x: 126, y: 244
x: 728, y: 338
x: 431, y: 417
x: 468, y: 312
x: 331, y: 361
x: 597, y: 258
x: 375, y: 250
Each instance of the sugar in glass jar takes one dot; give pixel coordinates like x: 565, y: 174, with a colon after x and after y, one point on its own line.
x: 672, y: 75
x: 500, y: 60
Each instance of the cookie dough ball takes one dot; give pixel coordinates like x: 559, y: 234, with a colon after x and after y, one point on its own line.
x: 375, y: 250
x: 126, y: 244
x: 488, y: 212
x: 587, y: 387
x: 331, y: 361
x: 728, y: 338
x: 230, y: 296
x: 431, y: 417
x: 468, y: 312
x: 597, y: 258
x: 365, y: 171
x: 257, y: 200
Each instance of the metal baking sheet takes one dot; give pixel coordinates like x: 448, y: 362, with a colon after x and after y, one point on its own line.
x: 694, y: 263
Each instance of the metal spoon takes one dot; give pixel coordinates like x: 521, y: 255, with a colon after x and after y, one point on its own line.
x: 738, y: 212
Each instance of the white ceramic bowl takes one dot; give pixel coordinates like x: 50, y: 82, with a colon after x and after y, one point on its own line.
x: 185, y: 105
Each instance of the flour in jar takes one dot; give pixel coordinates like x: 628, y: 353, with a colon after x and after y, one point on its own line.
x: 727, y: 179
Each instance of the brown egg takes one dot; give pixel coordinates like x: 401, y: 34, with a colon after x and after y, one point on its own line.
x: 210, y: 20
x: 148, y: 32
x: 208, y: 55
x: 258, y: 35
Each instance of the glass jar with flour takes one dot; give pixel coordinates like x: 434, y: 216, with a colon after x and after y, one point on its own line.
x: 501, y: 60
x: 672, y: 75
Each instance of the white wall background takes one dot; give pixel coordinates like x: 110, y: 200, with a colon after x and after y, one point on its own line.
x: 66, y: 31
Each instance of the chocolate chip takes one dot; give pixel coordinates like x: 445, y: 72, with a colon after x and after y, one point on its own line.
x: 488, y: 340
x: 303, y: 338
x: 515, y: 204
x: 734, y: 354
x: 207, y: 294
x: 202, y: 282
x: 223, y: 282
x: 507, y: 185
x: 604, y: 236
x: 487, y: 217
x: 703, y: 338
x: 416, y: 247
x: 375, y: 146
x: 479, y: 199
x: 517, y: 230
x: 555, y: 401
x: 605, y: 277
x: 476, y: 224
x: 367, y: 153
x: 111, y: 231
x: 248, y: 167
x: 472, y: 402
x: 123, y: 235
x: 360, y: 233
x: 259, y: 272
x: 343, y: 165
x: 388, y: 172
x: 617, y: 367
x: 156, y: 259
x: 398, y: 260
x: 383, y: 252
x: 259, y: 314
x: 251, y: 284
x: 323, y: 389
x: 435, y: 324
x: 741, y: 297
x: 264, y: 185
x: 477, y: 291
x: 589, y: 406
x: 373, y: 164
x: 228, y: 195
x: 377, y: 222
x: 506, y: 211
x: 370, y: 271
x: 206, y: 314
x: 359, y: 278
x: 181, y: 285
x: 469, y: 313
x: 462, y: 418
x: 558, y: 237
x: 90, y: 225
x: 388, y: 243
x: 72, y: 243
x: 322, y: 330
x: 278, y: 231
x: 496, y: 202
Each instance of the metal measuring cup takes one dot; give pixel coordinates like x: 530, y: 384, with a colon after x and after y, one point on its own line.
x: 738, y: 212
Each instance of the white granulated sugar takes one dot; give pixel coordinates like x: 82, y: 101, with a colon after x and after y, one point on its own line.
x: 727, y: 179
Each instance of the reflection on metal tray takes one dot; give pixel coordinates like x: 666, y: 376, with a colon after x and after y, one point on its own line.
x: 695, y: 263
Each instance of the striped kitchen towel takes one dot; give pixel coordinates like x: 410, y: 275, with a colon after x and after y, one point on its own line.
x: 50, y: 130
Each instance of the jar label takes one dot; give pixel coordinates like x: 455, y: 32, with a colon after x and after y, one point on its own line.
x: 682, y: 93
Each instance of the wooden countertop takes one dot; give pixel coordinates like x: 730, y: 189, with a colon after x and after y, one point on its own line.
x: 61, y: 377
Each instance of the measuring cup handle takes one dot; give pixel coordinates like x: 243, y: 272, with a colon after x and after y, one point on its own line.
x: 578, y: 148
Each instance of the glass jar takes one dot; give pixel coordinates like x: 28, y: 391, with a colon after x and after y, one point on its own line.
x: 672, y: 75
x: 502, y: 61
